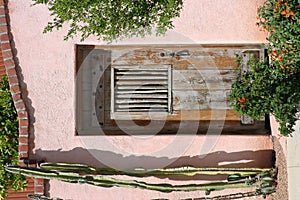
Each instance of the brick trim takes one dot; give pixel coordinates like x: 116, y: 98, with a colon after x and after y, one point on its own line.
x: 39, y: 186
x: 15, y: 87
x: 14, y: 83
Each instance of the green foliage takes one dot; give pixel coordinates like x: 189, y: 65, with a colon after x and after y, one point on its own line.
x: 282, y: 20
x: 110, y: 19
x: 273, y: 86
x: 8, y: 141
x: 264, y: 90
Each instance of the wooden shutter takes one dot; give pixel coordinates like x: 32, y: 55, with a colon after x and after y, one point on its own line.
x: 141, y: 88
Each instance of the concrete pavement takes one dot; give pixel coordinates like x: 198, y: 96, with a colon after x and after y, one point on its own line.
x: 293, y: 164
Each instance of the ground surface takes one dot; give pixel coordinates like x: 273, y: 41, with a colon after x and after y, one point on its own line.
x: 281, y: 164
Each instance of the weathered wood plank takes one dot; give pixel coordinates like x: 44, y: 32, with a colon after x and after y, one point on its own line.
x: 230, y: 115
x: 184, y: 127
x: 89, y: 78
x: 141, y: 82
x: 134, y: 96
x: 144, y: 77
x: 139, y: 106
x: 97, y: 63
x: 153, y: 91
x: 139, y: 110
x: 101, y: 103
x: 132, y: 72
x: 201, y: 99
x: 141, y: 100
x: 140, y: 87
x: 112, y: 124
x: 195, y: 99
x: 204, y: 79
x: 227, y: 46
x: 141, y: 56
x: 143, y: 67
x: 198, y: 58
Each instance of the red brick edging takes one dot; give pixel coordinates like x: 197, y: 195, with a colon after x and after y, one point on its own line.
x: 15, y: 88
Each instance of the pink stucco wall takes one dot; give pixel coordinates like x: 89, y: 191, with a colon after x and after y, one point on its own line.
x: 47, y: 64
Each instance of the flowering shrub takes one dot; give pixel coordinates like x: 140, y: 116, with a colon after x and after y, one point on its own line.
x: 8, y: 141
x: 273, y: 86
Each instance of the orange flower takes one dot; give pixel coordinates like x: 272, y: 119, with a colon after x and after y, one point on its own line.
x: 282, y: 51
x: 279, y: 58
x: 274, y: 29
x: 279, y: 3
x: 275, y: 10
x: 287, y: 67
x: 242, y: 100
x: 292, y: 13
x: 283, y: 12
x: 281, y: 66
x: 291, y: 46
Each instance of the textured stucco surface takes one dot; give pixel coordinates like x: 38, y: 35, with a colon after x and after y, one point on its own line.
x: 48, y: 63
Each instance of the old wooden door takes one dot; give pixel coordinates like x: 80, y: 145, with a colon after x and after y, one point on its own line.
x: 173, y: 85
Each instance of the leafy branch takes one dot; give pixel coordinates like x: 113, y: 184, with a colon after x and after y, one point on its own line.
x: 111, y: 20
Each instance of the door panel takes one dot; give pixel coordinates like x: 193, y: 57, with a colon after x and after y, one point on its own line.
x: 198, y: 86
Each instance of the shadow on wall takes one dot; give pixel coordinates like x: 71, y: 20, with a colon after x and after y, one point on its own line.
x: 95, y: 158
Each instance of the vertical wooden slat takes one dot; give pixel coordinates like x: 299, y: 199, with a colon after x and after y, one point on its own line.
x: 97, y: 67
x: 112, y: 79
x: 90, y: 104
x: 170, y: 88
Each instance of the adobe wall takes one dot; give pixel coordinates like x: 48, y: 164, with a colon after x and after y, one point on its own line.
x: 48, y: 68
